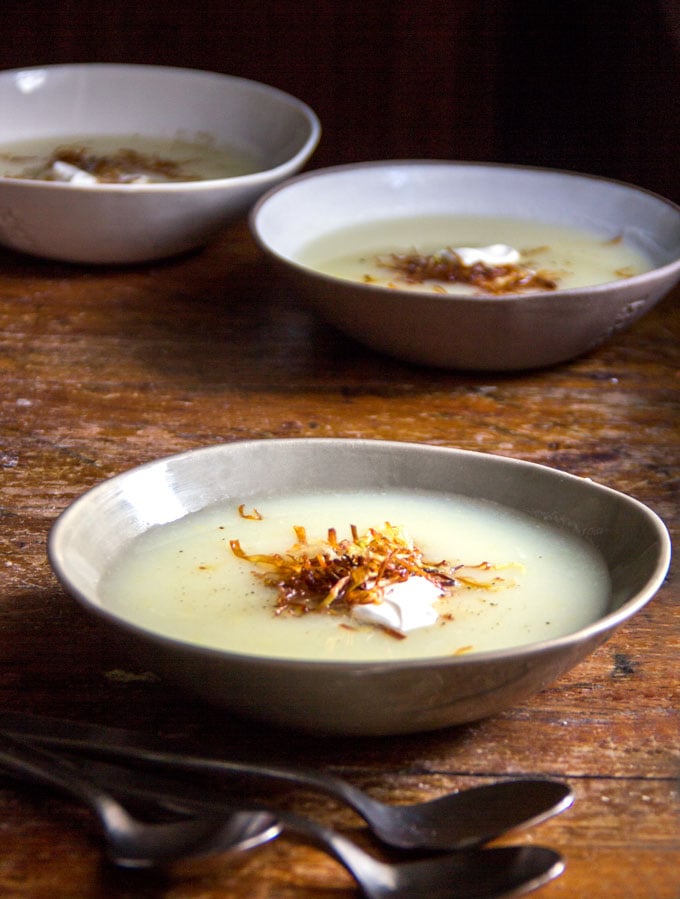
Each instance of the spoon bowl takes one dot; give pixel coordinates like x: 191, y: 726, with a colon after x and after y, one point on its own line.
x: 453, y: 821
x: 130, y: 841
x: 472, y: 874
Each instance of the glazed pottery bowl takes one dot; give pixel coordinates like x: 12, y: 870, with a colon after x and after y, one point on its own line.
x: 354, y: 697
x: 134, y: 222
x: 461, y: 331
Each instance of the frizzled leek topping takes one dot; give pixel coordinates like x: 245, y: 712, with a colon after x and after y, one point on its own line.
x: 337, y: 575
x: 123, y: 166
x: 449, y: 267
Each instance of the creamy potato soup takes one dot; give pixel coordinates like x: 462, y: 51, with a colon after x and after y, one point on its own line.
x: 472, y: 254
x: 122, y: 159
x: 184, y: 580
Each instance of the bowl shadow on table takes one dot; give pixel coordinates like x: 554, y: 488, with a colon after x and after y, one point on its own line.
x: 211, y: 336
x: 279, y: 344
x: 92, y: 678
x: 205, y: 334
x: 214, y: 336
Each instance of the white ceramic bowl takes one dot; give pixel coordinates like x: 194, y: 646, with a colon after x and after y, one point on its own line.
x: 356, y: 697
x: 476, y: 333
x: 114, y: 223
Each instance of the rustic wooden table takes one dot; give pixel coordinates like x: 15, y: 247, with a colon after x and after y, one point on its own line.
x: 105, y: 369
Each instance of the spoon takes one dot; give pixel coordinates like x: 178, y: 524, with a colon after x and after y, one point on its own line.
x: 468, y: 874
x: 130, y: 841
x: 454, y: 821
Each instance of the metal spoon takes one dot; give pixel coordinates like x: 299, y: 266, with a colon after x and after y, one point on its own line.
x: 470, y: 874
x: 130, y: 841
x: 453, y: 821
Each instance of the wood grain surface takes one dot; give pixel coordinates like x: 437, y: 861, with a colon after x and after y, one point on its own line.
x: 102, y: 369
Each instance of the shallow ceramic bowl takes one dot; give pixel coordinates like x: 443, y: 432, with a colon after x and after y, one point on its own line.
x: 500, y: 333
x: 109, y: 223
x: 356, y: 697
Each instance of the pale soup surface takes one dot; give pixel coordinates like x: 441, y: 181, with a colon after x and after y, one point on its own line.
x: 575, y: 258
x: 183, y: 581
x: 156, y: 159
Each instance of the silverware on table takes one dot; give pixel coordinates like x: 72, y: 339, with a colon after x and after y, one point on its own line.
x: 457, y: 820
x: 132, y: 842
x: 463, y: 874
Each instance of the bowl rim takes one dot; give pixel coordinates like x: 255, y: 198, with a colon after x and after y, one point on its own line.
x: 656, y: 273
x: 595, y: 631
x: 252, y: 178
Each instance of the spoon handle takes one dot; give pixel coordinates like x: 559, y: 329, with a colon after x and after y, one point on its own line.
x: 97, y: 782
x: 483, y: 873
x: 441, y: 876
x: 114, y: 742
x: 31, y: 763
x: 199, y: 825
x: 453, y: 821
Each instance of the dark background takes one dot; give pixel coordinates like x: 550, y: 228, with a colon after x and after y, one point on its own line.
x: 588, y: 85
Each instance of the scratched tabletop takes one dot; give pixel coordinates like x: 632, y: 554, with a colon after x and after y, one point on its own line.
x: 103, y: 369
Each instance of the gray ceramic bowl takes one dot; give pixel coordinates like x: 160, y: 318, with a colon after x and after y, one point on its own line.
x: 475, y: 333
x: 352, y: 697
x: 128, y: 223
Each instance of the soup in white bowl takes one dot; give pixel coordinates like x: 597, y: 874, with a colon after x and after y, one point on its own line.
x: 151, y: 110
x: 170, y: 554
x: 612, y: 251
x: 514, y: 580
x: 124, y: 159
x: 473, y: 255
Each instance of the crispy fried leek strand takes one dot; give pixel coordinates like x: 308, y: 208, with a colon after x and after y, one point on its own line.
x: 123, y: 165
x: 253, y: 515
x: 335, y: 575
x: 414, y: 268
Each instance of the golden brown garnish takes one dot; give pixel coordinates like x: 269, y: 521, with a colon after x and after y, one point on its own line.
x: 125, y: 165
x: 446, y: 266
x: 253, y: 515
x: 335, y: 575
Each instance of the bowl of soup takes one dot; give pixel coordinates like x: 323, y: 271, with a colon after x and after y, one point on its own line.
x: 110, y: 164
x: 471, y: 266
x: 355, y: 586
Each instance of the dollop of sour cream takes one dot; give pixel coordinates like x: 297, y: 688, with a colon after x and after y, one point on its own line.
x: 65, y: 171
x: 494, y: 254
x: 402, y: 607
